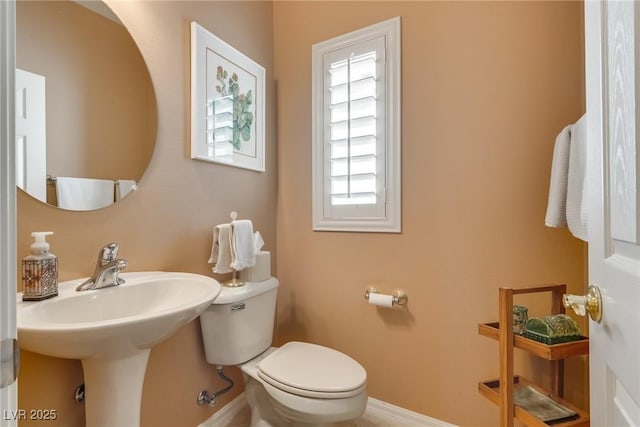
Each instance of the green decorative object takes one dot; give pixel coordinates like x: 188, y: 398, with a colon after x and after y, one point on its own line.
x: 519, y: 318
x: 552, y: 329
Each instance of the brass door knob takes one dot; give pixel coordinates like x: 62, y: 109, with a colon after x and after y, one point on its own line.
x: 581, y: 304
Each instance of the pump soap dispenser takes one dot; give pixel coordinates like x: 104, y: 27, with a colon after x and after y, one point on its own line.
x: 39, y: 270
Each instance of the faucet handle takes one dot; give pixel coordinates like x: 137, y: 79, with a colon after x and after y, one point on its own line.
x: 109, y: 252
x: 121, y: 265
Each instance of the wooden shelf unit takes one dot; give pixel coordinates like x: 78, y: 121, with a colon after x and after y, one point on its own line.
x: 507, y: 341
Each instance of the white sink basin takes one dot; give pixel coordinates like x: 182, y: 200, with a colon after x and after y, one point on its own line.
x: 111, y: 330
x: 115, y: 321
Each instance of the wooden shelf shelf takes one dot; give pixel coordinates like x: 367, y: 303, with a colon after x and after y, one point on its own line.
x: 501, y: 391
x: 545, y: 351
x: 491, y: 390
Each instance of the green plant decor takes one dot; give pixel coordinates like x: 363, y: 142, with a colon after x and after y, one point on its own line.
x: 242, y: 117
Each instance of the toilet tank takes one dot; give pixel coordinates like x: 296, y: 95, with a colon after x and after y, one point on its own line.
x: 238, y: 325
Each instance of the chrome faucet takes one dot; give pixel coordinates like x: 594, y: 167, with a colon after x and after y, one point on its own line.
x: 107, y: 268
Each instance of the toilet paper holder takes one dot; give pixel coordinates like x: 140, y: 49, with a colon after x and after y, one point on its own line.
x: 399, y: 297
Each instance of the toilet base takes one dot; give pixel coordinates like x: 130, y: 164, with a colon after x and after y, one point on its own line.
x: 264, y: 413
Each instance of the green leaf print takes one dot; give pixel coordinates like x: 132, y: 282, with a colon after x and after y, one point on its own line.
x: 242, y: 116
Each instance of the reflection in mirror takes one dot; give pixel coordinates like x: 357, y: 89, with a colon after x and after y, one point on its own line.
x: 86, y: 110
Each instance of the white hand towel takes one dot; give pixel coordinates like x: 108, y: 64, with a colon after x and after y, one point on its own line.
x: 243, y: 253
x: 124, y: 187
x: 221, y: 249
x: 84, y: 194
x: 576, y: 181
x: 556, y: 206
x: 567, y: 205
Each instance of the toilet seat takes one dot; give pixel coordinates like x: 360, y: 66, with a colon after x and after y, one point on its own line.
x: 312, y: 370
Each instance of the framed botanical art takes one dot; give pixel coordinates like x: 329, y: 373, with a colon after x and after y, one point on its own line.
x: 227, y: 103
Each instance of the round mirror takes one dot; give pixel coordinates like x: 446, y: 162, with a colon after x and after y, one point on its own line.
x: 86, y: 118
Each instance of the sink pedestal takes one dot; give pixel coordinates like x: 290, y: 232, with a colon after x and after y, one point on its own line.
x: 113, y: 389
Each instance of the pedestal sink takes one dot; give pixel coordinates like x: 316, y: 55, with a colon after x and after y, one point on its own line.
x: 111, y: 331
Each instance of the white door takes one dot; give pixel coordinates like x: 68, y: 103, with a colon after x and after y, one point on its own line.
x: 31, y: 143
x: 8, y: 333
x: 612, y: 38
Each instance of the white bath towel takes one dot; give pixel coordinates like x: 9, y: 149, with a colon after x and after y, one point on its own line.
x: 124, y: 187
x: 557, y: 203
x: 221, y: 249
x: 576, y: 181
x: 243, y: 253
x: 567, y: 203
x: 84, y: 194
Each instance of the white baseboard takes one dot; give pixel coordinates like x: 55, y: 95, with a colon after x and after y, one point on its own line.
x: 377, y: 412
x: 227, y: 412
x: 388, y: 414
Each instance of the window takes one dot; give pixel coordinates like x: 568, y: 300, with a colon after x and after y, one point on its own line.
x: 356, y: 130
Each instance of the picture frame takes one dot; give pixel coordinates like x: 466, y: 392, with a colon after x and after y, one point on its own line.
x: 227, y: 103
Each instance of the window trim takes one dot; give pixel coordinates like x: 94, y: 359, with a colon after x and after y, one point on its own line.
x: 391, y: 222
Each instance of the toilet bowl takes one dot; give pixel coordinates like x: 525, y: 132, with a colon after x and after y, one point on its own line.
x: 298, y: 384
x: 302, y: 383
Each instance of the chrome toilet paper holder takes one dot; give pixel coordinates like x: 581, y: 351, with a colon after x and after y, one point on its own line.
x: 399, y: 297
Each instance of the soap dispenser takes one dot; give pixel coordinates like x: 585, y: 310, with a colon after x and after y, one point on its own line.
x: 39, y: 270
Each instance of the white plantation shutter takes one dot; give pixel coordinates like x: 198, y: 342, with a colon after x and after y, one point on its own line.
x: 353, y: 171
x: 353, y: 104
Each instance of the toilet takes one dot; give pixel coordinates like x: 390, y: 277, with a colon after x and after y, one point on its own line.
x: 298, y: 384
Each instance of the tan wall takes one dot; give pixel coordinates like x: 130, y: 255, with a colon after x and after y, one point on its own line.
x: 101, y: 110
x: 486, y: 88
x: 167, y: 224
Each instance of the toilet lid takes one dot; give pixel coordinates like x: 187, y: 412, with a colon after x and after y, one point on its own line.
x: 313, y: 370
